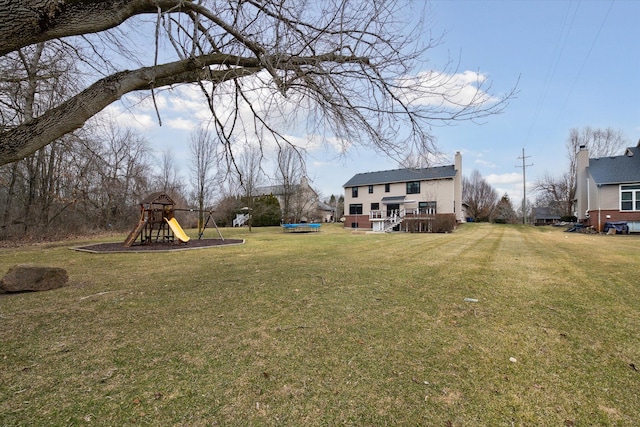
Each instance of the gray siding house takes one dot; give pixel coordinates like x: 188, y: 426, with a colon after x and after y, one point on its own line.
x: 608, y: 189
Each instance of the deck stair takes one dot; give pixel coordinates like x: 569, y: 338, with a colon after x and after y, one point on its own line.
x: 240, y: 220
x: 393, y: 220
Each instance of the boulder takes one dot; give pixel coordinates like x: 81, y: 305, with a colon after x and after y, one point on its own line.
x: 23, y: 277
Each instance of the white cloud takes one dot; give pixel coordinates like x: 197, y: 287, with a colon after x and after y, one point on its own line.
x: 128, y: 119
x: 181, y: 124
x: 438, y: 89
x: 485, y: 163
x: 504, y: 179
x: 511, y: 185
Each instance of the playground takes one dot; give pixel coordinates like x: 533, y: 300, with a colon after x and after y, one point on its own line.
x: 158, y: 247
x: 159, y: 230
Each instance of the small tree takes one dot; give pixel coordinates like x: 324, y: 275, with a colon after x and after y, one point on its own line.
x: 266, y: 211
x: 250, y: 176
x: 504, y: 213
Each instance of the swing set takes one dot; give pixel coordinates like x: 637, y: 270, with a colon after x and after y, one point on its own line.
x: 157, y: 223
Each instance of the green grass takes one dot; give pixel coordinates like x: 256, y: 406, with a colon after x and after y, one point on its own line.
x: 331, y: 328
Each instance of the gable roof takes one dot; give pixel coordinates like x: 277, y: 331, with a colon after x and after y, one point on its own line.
x: 157, y: 199
x: 401, y: 175
x: 280, y: 190
x: 617, y: 169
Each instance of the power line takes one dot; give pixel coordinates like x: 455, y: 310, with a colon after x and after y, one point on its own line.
x: 524, y: 185
x: 558, y: 51
x: 584, y: 63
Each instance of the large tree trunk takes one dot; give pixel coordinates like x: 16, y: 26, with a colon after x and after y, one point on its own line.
x: 27, y: 138
x: 27, y: 22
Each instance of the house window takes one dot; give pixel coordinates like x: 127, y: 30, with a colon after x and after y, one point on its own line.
x: 427, y: 208
x: 375, y: 206
x: 630, y: 197
x: 413, y: 187
x: 354, y: 192
x: 387, y: 188
x: 371, y: 189
x: 355, y: 209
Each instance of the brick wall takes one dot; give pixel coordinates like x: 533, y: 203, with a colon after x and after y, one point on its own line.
x: 615, y: 216
x: 363, y: 221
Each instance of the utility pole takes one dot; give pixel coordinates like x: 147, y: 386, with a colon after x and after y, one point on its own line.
x: 524, y: 185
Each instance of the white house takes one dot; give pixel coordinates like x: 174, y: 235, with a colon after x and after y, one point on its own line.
x: 382, y: 201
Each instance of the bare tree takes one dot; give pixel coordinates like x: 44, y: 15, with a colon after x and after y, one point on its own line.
x: 203, y: 156
x: 481, y: 199
x: 559, y: 191
x: 250, y: 176
x: 290, y: 171
x: 343, y: 65
x: 32, y: 80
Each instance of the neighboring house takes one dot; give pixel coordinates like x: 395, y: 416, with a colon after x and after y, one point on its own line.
x: 380, y: 201
x: 544, y: 215
x: 300, y: 200
x: 327, y: 213
x: 608, y: 189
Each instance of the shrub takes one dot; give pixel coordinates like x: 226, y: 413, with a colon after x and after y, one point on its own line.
x: 444, y: 223
x: 440, y: 223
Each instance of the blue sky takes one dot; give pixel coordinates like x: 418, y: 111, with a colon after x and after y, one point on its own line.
x: 578, y: 65
x: 575, y: 64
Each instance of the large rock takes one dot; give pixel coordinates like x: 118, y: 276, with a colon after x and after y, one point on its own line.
x: 23, y: 277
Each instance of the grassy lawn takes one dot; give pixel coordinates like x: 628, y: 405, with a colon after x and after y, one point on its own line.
x: 331, y: 328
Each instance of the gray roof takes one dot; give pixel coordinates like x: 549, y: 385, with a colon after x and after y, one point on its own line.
x: 617, y: 169
x: 393, y: 199
x: 544, y: 212
x: 276, y: 190
x: 401, y: 175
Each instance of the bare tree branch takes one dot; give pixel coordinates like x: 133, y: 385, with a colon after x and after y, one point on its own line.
x: 350, y: 68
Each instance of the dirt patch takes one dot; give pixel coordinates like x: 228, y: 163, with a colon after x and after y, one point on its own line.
x: 155, y: 247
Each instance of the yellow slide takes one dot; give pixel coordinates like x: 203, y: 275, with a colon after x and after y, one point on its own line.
x: 177, y: 230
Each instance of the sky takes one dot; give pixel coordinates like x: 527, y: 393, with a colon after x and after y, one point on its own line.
x: 573, y: 63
